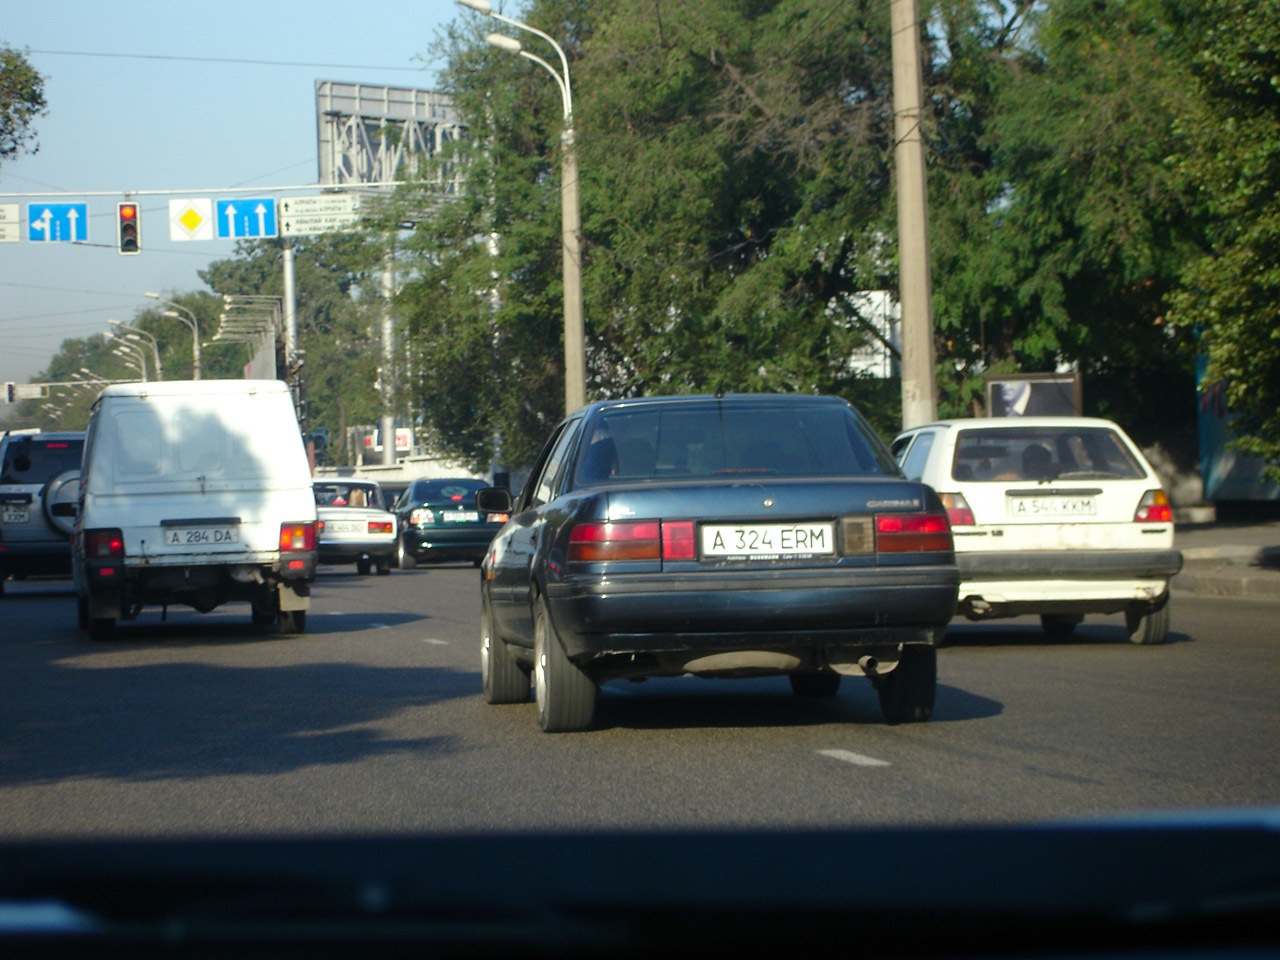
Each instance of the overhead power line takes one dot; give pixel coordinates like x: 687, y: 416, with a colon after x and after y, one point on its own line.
x: 239, y: 60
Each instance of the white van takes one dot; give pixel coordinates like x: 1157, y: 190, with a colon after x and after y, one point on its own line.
x: 195, y: 493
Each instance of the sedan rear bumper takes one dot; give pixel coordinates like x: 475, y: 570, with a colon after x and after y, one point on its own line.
x: 737, y: 609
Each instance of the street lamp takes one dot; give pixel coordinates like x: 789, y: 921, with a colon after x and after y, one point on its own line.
x: 132, y: 357
x: 137, y: 334
x: 179, y: 312
x: 575, y: 366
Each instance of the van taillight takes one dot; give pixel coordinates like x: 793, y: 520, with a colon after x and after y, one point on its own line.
x: 913, y: 533
x: 297, y: 536
x: 1153, y: 508
x: 106, y: 544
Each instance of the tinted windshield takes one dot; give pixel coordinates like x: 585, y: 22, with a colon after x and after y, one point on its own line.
x: 1043, y: 453
x: 38, y: 459
x: 445, y: 489
x: 721, y: 439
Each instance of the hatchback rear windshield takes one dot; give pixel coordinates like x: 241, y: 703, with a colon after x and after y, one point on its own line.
x: 1043, y: 453
x: 39, y: 460
x: 686, y: 440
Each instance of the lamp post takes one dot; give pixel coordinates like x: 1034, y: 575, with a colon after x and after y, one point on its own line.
x: 137, y: 335
x: 179, y: 312
x: 133, y: 357
x: 575, y: 367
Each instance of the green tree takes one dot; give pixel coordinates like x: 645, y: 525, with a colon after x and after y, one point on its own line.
x: 338, y: 321
x: 1229, y: 295
x: 21, y: 103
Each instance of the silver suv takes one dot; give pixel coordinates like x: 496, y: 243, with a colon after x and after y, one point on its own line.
x: 39, y: 487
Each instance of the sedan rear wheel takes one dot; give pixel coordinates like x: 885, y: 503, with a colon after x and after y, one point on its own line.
x: 1060, y: 625
x: 907, y: 692
x: 565, y: 695
x: 1149, y: 628
x: 814, y: 684
x: 504, y: 680
x: 404, y: 559
x: 363, y: 566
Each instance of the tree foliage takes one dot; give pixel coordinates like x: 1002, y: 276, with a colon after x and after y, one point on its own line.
x: 21, y: 103
x: 1229, y: 295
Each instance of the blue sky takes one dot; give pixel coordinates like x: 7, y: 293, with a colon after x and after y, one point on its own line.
x: 175, y: 114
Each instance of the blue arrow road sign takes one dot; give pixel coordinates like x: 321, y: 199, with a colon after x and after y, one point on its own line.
x: 57, y: 222
x: 247, y: 217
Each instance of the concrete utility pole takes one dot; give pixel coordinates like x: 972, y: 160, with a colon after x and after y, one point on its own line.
x: 919, y: 402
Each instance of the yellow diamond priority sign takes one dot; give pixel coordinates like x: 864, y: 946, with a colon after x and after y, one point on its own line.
x: 191, y: 219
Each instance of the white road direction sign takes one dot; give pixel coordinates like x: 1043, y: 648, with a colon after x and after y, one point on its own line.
x: 10, y: 223
x: 319, y: 203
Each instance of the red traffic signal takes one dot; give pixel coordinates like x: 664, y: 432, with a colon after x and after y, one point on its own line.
x: 128, y: 227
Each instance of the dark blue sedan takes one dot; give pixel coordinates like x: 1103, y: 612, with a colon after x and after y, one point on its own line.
x: 735, y: 536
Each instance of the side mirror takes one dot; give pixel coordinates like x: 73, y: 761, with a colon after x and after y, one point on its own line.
x: 493, y: 500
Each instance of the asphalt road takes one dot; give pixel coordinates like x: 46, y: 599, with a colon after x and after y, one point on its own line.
x: 372, y: 723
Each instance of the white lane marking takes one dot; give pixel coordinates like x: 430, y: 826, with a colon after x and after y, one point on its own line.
x: 434, y: 641
x: 858, y: 759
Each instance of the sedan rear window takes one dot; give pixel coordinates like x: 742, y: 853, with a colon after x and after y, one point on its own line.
x: 718, y: 440
x: 1042, y: 453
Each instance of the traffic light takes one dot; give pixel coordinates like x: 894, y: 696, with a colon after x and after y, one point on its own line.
x: 129, y: 227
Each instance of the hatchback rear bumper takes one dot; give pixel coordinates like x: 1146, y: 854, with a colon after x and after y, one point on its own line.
x: 1086, y: 565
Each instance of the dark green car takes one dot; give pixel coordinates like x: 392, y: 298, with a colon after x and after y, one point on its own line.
x: 439, y: 522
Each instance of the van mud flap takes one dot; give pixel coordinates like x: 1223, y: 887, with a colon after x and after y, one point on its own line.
x: 291, y: 599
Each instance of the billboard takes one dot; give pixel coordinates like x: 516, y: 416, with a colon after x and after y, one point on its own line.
x: 1033, y: 394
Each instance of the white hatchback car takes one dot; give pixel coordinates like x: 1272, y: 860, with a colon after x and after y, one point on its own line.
x: 1056, y: 516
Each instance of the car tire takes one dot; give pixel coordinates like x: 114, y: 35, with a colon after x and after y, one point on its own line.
x: 1148, y: 629
x: 101, y: 629
x: 503, y: 680
x: 907, y: 692
x: 814, y: 684
x: 404, y: 559
x: 82, y: 613
x: 292, y: 622
x: 565, y: 695
x: 62, y: 489
x: 1059, y: 626
x: 363, y: 566
x: 382, y: 566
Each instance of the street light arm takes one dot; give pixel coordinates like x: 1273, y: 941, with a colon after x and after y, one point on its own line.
x: 483, y: 6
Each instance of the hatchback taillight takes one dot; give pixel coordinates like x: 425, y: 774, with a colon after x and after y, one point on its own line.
x: 106, y: 544
x: 959, y: 513
x: 1153, y: 508
x: 913, y: 533
x: 297, y: 537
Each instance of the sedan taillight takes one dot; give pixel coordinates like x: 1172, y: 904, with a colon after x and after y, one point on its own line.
x: 913, y: 533
x: 106, y: 544
x: 296, y: 537
x: 599, y: 542
x: 1153, y: 508
x: 380, y: 526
